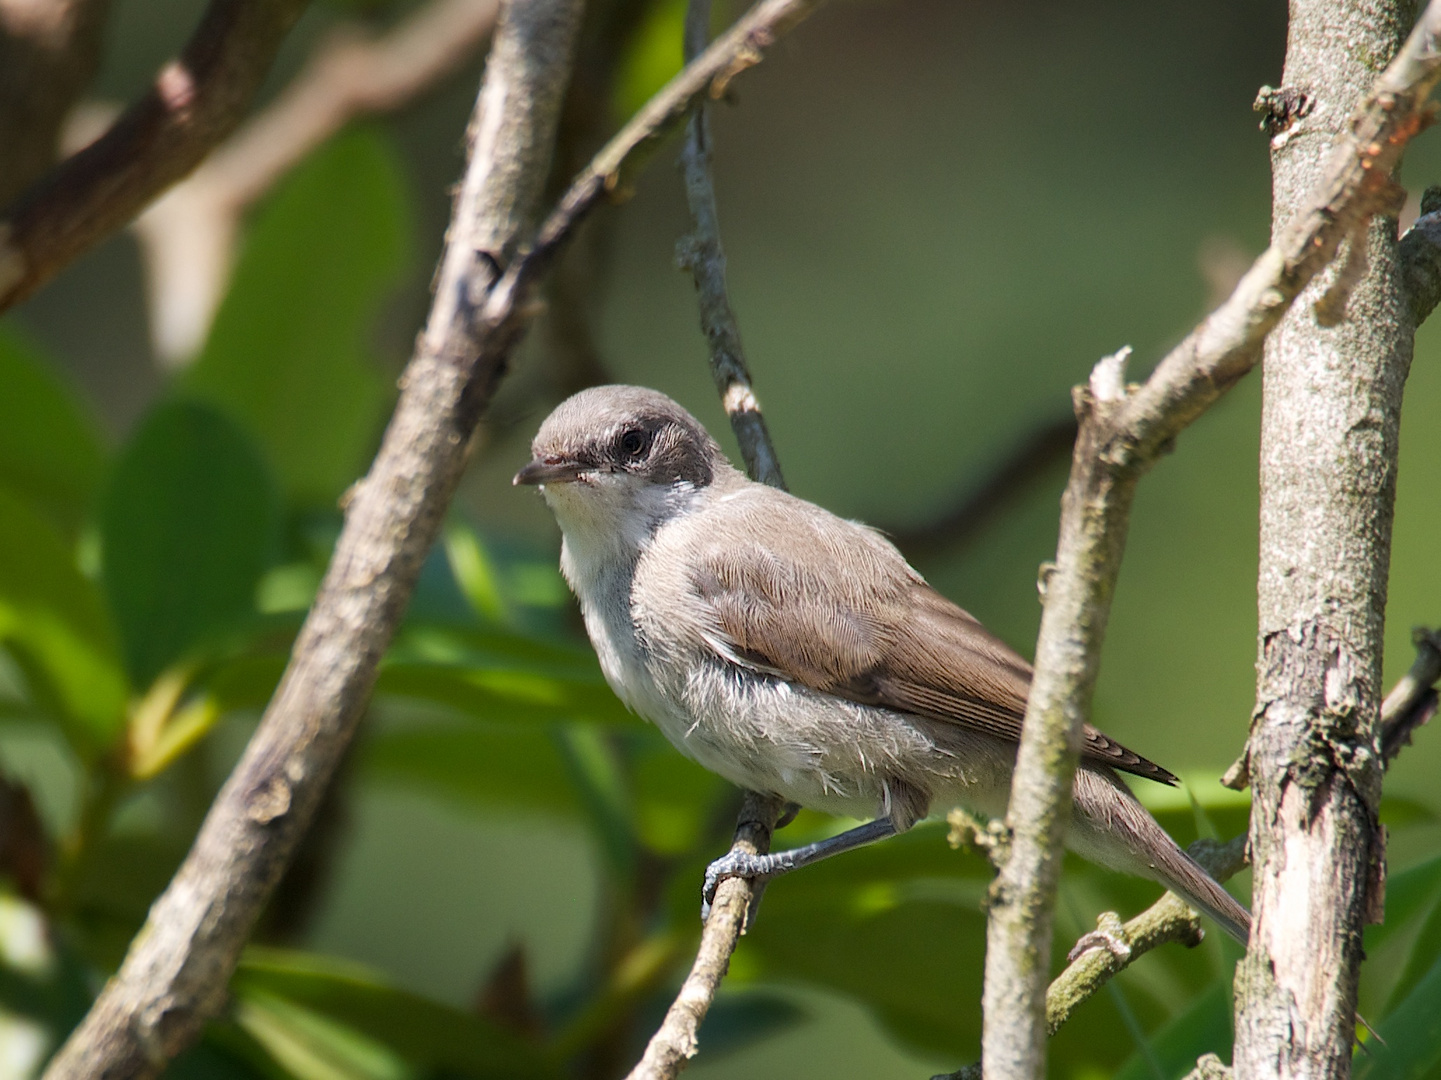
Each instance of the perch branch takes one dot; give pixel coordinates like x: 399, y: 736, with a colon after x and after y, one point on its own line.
x: 188, y: 235
x: 1412, y: 701
x: 195, y: 102
x: 1123, y: 430
x: 176, y: 972
x: 701, y: 253
x: 674, y: 1044
x: 1421, y: 257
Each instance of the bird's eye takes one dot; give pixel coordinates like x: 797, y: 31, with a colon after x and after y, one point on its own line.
x: 632, y: 443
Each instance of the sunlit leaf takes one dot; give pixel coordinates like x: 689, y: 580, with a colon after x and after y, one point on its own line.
x: 499, y: 694
x: 653, y: 58
x: 475, y: 572
x: 287, y: 354
x: 310, y: 1046
x: 56, y: 625
x: 409, y: 1029
x: 50, y: 449
x: 500, y: 766
x: 1203, y: 1028
x: 1410, y: 1043
x: 189, y: 522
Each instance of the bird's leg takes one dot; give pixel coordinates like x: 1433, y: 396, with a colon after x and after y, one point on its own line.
x: 760, y: 867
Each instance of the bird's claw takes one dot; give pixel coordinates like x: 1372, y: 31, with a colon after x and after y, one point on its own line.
x: 741, y: 864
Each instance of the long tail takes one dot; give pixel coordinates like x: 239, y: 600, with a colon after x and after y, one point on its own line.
x: 1112, y: 828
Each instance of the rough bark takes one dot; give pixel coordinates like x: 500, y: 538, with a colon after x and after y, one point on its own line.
x: 177, y: 969
x: 1332, y: 405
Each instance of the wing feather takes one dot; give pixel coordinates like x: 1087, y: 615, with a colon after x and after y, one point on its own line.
x: 866, y: 627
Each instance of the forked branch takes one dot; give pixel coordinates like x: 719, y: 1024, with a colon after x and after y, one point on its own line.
x: 1123, y: 431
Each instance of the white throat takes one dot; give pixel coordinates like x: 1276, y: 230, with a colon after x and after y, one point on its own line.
x: 606, y: 525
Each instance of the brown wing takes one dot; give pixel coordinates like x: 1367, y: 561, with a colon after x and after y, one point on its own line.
x: 851, y: 618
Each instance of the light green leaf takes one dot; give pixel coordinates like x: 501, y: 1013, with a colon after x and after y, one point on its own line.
x: 401, y: 1030
x: 1410, y: 1045
x: 492, y: 766
x: 50, y: 450
x: 653, y: 58
x: 287, y: 353
x: 56, y: 625
x: 496, y: 694
x: 1203, y: 1028
x: 189, y: 521
x: 310, y: 1046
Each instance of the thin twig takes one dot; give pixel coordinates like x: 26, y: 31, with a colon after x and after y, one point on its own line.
x: 188, y: 235
x: 1421, y: 257
x: 1412, y: 701
x: 195, y: 102
x: 1100, y: 956
x: 674, y: 1044
x: 175, y: 975
x: 1123, y: 430
x: 701, y: 253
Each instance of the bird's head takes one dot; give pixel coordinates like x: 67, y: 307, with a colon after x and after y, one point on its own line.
x: 623, y: 459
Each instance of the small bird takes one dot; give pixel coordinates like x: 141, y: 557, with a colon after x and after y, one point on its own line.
x: 798, y: 654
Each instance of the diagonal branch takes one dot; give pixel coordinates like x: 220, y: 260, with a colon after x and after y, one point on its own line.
x: 674, y: 1044
x: 1114, y: 946
x: 1421, y: 257
x: 1123, y: 430
x: 175, y: 974
x: 1412, y: 701
x: 196, y: 101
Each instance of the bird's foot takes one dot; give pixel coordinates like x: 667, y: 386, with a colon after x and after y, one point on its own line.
x: 1108, y: 935
x: 754, y: 868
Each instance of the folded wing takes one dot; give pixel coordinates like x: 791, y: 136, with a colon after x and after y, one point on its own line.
x: 842, y: 612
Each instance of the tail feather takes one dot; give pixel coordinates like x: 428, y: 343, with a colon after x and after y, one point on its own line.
x: 1112, y: 828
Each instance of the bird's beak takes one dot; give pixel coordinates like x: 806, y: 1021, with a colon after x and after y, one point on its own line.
x: 541, y: 471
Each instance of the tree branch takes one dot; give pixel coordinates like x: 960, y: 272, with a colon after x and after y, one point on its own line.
x: 674, y: 1044
x: 1123, y: 430
x: 188, y: 235
x: 701, y: 253
x: 1100, y: 956
x: 176, y: 972
x: 1421, y: 257
x: 48, y: 55
x: 196, y: 100
x: 1412, y: 701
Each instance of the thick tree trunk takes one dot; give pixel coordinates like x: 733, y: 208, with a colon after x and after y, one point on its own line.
x: 1328, y: 481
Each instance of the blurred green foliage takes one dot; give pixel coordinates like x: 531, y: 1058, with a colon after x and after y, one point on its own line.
x: 150, y: 587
